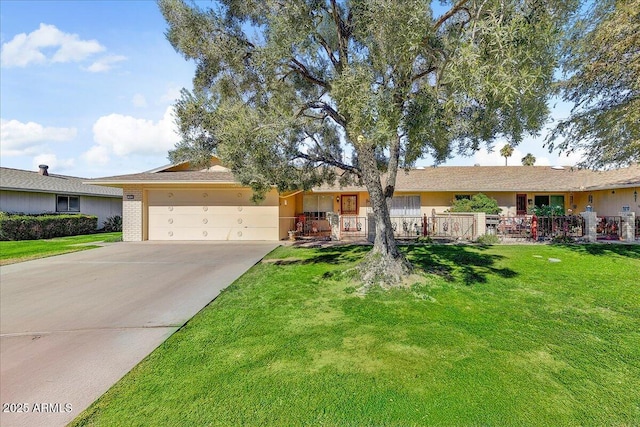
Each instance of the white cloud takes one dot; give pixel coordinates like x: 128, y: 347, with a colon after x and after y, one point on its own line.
x: 96, y: 155
x: 17, y: 138
x: 105, y: 63
x: 139, y: 100
x: 32, y: 48
x: 125, y: 135
x: 55, y: 164
x: 171, y: 95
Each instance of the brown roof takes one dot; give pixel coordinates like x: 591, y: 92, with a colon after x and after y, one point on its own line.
x: 168, y: 178
x: 23, y: 180
x: 443, y: 178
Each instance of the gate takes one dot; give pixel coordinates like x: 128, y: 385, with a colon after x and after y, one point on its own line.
x: 609, y: 227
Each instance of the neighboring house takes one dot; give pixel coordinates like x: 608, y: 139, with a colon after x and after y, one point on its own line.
x: 39, y: 192
x: 177, y: 203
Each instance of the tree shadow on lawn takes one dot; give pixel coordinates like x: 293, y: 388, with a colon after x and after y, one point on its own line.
x: 452, y: 262
x: 458, y: 262
x: 606, y: 249
x: 337, y: 254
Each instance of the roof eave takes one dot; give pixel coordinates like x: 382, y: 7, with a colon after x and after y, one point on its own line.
x: 66, y: 192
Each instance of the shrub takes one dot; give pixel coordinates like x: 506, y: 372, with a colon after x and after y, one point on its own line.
x: 477, y: 203
x: 488, y: 239
x: 113, y: 223
x: 33, y: 227
x: 545, y: 210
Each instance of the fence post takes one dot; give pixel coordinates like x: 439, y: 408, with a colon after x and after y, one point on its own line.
x: 480, y: 219
x: 334, y: 221
x: 627, y: 231
x: 590, y: 225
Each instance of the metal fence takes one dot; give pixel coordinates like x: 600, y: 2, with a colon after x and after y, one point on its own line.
x: 306, y: 226
x: 525, y: 227
x: 609, y: 227
x: 352, y: 227
x: 561, y: 226
x: 451, y: 226
x: 509, y: 226
x: 404, y: 227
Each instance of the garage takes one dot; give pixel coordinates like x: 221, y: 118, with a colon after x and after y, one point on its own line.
x: 210, y: 213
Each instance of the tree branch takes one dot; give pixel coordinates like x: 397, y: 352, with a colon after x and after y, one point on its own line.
x: 422, y: 74
x: 327, y: 48
x: 327, y: 109
x: 394, y: 161
x: 302, y: 70
x: 344, y: 32
x: 455, y: 9
x: 331, y: 162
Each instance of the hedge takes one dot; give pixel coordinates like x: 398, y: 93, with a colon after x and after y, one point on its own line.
x: 34, y: 227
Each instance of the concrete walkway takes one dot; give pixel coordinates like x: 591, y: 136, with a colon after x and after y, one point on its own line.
x: 72, y: 325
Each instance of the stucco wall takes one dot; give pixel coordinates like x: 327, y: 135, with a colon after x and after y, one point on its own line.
x: 610, y: 202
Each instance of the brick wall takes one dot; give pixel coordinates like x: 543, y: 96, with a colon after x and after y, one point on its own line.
x: 132, y: 213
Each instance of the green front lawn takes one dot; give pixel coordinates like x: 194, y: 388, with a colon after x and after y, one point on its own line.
x: 498, y: 336
x: 23, y: 250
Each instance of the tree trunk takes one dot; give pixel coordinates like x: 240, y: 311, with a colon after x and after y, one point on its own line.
x: 385, y: 264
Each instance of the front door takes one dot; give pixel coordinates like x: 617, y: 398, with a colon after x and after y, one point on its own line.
x: 521, y: 204
x: 349, y: 204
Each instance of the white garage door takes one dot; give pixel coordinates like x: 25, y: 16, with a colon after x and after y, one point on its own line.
x: 211, y: 214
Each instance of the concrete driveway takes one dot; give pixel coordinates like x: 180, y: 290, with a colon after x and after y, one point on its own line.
x: 73, y: 325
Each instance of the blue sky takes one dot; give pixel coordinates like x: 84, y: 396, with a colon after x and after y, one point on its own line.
x: 87, y: 88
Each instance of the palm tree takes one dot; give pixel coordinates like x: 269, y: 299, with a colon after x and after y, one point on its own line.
x: 528, y: 160
x: 506, y: 152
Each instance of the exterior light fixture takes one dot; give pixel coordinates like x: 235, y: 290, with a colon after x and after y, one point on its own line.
x: 337, y: 199
x: 635, y: 195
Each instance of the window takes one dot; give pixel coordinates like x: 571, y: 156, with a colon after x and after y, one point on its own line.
x: 316, y: 206
x: 554, y: 200
x: 557, y: 201
x: 68, y: 204
x: 405, y: 206
x: 463, y: 196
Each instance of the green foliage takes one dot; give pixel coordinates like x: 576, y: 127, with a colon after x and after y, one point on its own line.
x: 113, y: 224
x: 283, y: 90
x: 31, y: 227
x: 506, y: 152
x: 23, y: 250
x: 488, y: 239
x: 546, y: 211
x: 528, y: 160
x: 601, y: 65
x: 477, y: 203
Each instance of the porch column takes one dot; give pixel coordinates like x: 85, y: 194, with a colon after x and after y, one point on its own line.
x: 480, y: 219
x: 590, y: 226
x: 334, y: 222
x: 132, y: 214
x: 627, y: 233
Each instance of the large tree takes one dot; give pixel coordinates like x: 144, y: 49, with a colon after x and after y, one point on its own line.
x: 506, y: 152
x: 294, y: 93
x: 528, y: 160
x: 602, y: 80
